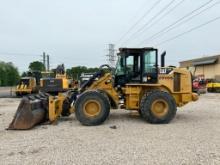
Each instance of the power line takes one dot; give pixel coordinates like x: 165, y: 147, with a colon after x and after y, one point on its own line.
x: 152, y: 18
x: 139, y: 20
x: 177, y: 21
x: 193, y: 16
x: 168, y: 12
x: 164, y: 15
x: 190, y: 30
x: 17, y: 54
x: 141, y: 8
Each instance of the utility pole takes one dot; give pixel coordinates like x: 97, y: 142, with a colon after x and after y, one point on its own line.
x: 111, y: 58
x: 48, y: 62
x: 44, y: 60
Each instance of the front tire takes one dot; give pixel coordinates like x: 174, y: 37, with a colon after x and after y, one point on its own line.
x: 158, y: 107
x: 92, y: 108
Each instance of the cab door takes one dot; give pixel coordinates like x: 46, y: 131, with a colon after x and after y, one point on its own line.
x: 150, y: 66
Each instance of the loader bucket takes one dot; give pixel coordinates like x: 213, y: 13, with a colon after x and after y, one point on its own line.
x: 31, y: 111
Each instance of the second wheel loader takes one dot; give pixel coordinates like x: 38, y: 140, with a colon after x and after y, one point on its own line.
x: 59, y: 83
x: 137, y: 83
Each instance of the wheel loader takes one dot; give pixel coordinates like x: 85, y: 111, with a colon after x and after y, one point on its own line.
x: 59, y: 83
x: 213, y: 86
x: 137, y: 83
x: 28, y: 84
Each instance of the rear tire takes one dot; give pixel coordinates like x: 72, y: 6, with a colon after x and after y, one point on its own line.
x: 158, y: 107
x: 92, y: 108
x: 217, y: 90
x: 209, y: 90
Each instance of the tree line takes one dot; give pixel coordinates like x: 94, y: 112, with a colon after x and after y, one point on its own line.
x: 75, y: 72
x: 9, y: 75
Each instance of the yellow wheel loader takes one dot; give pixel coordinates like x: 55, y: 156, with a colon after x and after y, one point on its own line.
x: 213, y: 86
x: 137, y: 83
x: 29, y: 84
x: 59, y: 83
x: 26, y: 85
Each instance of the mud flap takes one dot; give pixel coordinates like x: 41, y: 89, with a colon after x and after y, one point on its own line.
x: 31, y: 111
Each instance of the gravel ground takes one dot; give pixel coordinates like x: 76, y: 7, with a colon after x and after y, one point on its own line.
x: 193, y: 137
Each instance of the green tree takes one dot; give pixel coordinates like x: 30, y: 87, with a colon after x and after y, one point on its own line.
x: 2, y: 74
x: 9, y: 75
x: 24, y: 74
x: 12, y: 74
x: 75, y: 72
x: 36, y: 66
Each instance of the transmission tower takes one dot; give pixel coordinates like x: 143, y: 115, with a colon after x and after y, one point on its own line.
x: 111, y: 57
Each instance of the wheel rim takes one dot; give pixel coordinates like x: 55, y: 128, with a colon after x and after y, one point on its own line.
x: 92, y: 108
x: 159, y: 108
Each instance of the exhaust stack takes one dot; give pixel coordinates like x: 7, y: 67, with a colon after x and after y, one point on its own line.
x: 163, y: 59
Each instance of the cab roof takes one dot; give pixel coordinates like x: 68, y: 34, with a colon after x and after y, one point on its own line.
x: 135, y: 50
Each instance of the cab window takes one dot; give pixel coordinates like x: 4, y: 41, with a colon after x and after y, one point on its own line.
x: 150, y: 62
x: 130, y: 64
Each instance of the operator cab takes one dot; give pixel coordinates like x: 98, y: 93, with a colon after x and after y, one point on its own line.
x: 136, y: 65
x: 25, y: 81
